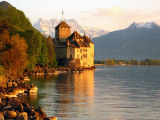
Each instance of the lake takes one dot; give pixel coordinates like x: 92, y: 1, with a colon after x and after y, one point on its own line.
x: 107, y: 93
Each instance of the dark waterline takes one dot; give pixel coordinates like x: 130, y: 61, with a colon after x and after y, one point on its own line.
x: 108, y: 93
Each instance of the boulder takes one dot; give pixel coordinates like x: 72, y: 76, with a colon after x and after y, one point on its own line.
x: 1, y: 116
x: 1, y: 106
x: 51, y: 118
x: 10, y: 114
x: 41, y: 112
x: 30, y: 110
x: 25, y: 105
x: 9, y: 84
x: 20, y: 108
x: 34, y: 118
x: 14, y: 84
x: 22, y: 116
x: 34, y: 89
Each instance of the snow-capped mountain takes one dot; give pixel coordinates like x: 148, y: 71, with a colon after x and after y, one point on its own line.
x: 140, y: 25
x: 138, y: 41
x: 47, y: 27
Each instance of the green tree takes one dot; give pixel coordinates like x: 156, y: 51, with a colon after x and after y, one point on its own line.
x: 43, y: 58
x: 51, y: 53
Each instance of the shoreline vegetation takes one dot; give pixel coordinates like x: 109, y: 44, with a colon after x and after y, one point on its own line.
x: 22, y: 47
x: 113, y: 62
x: 23, y: 51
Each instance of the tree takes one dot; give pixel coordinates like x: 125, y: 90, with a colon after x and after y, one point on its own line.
x: 51, y: 53
x: 43, y: 59
x: 13, y: 55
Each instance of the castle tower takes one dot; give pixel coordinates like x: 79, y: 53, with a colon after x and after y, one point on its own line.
x: 62, y: 31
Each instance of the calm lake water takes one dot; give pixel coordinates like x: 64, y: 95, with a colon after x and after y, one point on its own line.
x: 108, y: 93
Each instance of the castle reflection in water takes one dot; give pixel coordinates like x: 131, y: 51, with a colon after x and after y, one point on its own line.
x: 65, y: 95
x: 76, y: 93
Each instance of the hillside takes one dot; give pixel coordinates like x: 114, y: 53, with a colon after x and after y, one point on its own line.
x: 18, y: 24
x: 138, y: 41
x: 47, y: 27
x: 5, y: 5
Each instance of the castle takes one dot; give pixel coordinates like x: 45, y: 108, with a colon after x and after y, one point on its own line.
x: 73, y: 49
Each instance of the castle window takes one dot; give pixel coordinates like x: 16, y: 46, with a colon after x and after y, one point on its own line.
x: 84, y: 50
x: 81, y: 50
x: 70, y: 55
x: 77, y: 56
x: 81, y: 57
x: 85, y: 55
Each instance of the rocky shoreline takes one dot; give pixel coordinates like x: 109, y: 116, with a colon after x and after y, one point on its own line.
x: 55, y: 71
x: 12, y: 108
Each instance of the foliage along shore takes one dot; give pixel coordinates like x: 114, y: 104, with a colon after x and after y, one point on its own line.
x: 113, y: 62
x: 22, y: 47
x: 55, y: 71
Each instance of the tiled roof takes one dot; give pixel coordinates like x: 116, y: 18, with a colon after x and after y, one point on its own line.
x: 75, y: 33
x: 76, y: 40
x: 73, y: 45
x: 63, y: 24
x: 87, y: 40
x: 81, y: 44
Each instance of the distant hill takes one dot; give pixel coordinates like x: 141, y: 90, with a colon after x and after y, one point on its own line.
x: 47, y: 27
x: 138, y: 41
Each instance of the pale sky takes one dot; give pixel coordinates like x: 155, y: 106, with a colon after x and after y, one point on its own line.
x: 106, y: 14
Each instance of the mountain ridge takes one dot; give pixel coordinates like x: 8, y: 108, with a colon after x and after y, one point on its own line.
x: 47, y: 27
x: 138, y: 41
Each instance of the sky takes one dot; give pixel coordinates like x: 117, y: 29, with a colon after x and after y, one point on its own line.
x: 109, y: 15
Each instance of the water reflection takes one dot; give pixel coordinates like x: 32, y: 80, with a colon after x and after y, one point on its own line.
x: 76, y: 94
x: 108, y: 93
x: 66, y: 95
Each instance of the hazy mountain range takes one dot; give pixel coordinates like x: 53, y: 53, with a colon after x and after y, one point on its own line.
x: 138, y: 41
x: 47, y: 27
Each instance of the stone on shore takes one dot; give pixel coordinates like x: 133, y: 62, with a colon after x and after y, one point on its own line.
x: 1, y: 116
x: 22, y: 116
x: 41, y: 112
x: 34, y: 89
x: 10, y: 114
x: 51, y: 118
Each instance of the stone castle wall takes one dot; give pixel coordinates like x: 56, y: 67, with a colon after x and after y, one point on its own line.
x: 62, y: 34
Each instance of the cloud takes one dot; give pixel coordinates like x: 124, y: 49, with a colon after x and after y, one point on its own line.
x: 120, y: 13
x: 120, y: 18
x: 110, y: 12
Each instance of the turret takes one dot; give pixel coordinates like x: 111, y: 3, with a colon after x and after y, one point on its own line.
x: 62, y: 31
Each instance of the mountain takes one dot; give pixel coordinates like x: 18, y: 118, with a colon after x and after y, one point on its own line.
x: 5, y: 5
x: 47, y: 27
x: 138, y: 41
